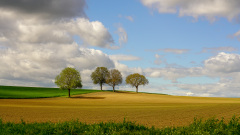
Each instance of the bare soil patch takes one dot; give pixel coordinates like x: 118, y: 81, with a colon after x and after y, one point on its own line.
x: 147, y: 109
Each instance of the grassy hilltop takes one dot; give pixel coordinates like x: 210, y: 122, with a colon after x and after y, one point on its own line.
x: 16, y: 92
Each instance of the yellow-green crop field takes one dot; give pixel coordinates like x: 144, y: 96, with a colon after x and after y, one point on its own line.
x: 145, y: 109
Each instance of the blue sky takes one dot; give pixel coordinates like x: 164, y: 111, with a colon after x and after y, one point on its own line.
x: 188, y: 48
x: 150, y: 31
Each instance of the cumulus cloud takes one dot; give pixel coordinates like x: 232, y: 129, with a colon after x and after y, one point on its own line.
x: 92, y: 33
x: 31, y: 31
x: 29, y: 27
x: 43, y: 63
x: 224, y: 63
x: 210, y: 9
x: 37, y: 41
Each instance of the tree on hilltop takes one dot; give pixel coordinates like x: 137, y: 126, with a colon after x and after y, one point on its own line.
x: 114, y: 78
x: 69, y: 79
x: 135, y: 80
x: 99, y: 76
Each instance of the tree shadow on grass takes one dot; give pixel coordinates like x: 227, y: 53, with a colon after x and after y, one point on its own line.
x: 83, y: 97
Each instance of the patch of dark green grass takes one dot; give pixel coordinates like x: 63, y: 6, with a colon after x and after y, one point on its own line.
x: 198, y: 127
x: 17, y: 92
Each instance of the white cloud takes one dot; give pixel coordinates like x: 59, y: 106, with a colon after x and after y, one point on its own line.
x: 159, y: 59
x: 236, y: 35
x: 210, y: 9
x: 219, y: 49
x: 223, y: 66
x: 32, y: 31
x: 37, y: 41
x: 18, y: 26
x: 122, y: 57
x: 130, y: 18
x: 41, y: 64
x: 223, y: 63
x: 189, y: 93
x: 176, y: 51
x: 92, y: 33
x: 173, y: 74
x: 157, y: 56
x: 123, y: 37
x: 229, y: 89
x: 125, y: 70
x: 171, y: 50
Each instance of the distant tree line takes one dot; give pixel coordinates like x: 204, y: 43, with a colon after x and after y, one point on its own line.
x: 70, y: 78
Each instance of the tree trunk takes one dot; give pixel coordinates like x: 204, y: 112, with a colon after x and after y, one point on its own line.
x: 137, y: 89
x: 69, y: 93
x: 101, y: 86
x: 113, y: 89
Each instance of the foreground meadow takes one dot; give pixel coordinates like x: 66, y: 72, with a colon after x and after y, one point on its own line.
x: 198, y: 127
x: 145, y: 109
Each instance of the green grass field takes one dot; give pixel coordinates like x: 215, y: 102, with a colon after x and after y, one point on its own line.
x: 16, y: 92
x: 211, y: 126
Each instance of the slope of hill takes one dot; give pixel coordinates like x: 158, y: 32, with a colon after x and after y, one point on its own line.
x: 17, y: 92
x: 147, y: 109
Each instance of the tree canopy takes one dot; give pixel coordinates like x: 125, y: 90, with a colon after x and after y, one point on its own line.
x: 114, y: 78
x: 99, y: 76
x: 135, y: 80
x: 69, y: 79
